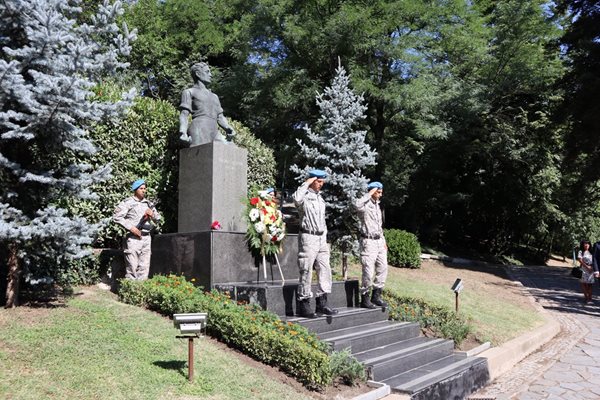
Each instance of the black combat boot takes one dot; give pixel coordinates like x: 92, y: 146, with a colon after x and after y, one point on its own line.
x: 365, y: 301
x: 376, y: 298
x: 304, y: 309
x: 322, y: 306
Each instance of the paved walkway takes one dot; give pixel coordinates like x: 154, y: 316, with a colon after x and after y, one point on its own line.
x: 568, y: 367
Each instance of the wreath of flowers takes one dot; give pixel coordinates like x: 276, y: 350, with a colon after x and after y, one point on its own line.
x: 266, y: 228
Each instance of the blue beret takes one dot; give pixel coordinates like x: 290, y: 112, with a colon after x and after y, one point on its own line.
x: 375, y: 184
x: 317, y: 173
x: 135, y: 185
x: 269, y: 190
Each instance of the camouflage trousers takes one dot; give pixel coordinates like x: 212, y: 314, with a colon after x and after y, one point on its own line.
x: 373, y: 257
x: 137, y: 257
x: 313, y: 251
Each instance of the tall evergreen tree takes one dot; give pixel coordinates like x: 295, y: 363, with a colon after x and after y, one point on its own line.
x: 338, y: 147
x: 580, y: 110
x: 49, y: 63
x: 493, y: 182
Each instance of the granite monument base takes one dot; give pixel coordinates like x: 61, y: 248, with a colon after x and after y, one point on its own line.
x: 214, y: 257
x: 212, y: 187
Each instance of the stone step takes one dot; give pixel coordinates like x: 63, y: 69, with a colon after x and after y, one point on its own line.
x: 451, y: 377
x: 401, y: 357
x: 348, y: 317
x: 370, y: 336
x: 280, y: 298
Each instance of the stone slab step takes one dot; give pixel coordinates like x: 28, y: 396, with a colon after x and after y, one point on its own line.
x: 451, y: 377
x: 375, y: 335
x: 400, y: 359
x: 348, y: 317
x: 280, y: 298
x: 370, y: 356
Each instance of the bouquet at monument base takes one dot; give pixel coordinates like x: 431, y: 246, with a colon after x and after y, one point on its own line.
x: 266, y: 228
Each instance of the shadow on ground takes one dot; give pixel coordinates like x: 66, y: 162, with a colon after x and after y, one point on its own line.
x: 175, y: 365
x: 557, y: 285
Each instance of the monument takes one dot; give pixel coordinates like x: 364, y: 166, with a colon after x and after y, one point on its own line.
x: 212, y: 187
x: 212, y: 171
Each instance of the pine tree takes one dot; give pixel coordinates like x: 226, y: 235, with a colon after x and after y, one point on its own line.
x: 340, y: 149
x: 50, y: 61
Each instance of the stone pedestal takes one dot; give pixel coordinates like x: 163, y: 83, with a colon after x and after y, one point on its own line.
x: 212, y: 187
x: 217, y: 257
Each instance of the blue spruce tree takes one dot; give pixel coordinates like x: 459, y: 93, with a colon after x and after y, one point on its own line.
x: 51, y: 57
x: 339, y: 148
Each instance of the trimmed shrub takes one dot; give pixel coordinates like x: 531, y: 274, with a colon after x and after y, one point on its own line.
x: 348, y: 368
x: 404, y: 249
x: 261, y: 160
x: 257, y: 333
x: 441, y: 320
x: 145, y: 144
x: 141, y: 145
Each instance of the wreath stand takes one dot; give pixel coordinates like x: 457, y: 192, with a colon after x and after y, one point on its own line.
x: 264, y: 263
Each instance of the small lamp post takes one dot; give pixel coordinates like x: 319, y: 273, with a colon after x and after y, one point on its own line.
x: 456, y: 288
x: 190, y: 326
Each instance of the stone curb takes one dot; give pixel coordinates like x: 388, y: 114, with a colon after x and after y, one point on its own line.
x: 381, y: 390
x: 501, y: 359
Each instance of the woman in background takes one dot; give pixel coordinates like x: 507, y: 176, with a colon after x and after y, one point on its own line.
x: 584, y: 256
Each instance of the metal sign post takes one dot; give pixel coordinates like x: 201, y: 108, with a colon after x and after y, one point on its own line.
x: 191, y: 358
x: 190, y: 325
x: 456, y: 288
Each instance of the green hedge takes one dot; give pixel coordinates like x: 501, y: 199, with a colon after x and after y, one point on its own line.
x: 261, y: 160
x: 404, y: 249
x: 144, y: 144
x: 442, y: 321
x: 257, y: 333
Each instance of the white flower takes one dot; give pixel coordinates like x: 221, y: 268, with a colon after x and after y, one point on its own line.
x: 259, y: 227
x: 280, y: 237
x: 254, y: 214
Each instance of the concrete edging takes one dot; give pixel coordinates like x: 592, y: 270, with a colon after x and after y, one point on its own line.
x: 501, y: 359
x: 380, y: 390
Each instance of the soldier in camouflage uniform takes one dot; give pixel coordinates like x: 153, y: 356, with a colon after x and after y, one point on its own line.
x: 136, y: 214
x: 312, y: 246
x: 373, y: 249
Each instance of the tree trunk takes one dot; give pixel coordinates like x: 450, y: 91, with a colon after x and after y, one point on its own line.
x: 13, y: 278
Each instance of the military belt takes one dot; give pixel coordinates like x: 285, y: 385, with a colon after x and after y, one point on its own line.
x: 316, y: 233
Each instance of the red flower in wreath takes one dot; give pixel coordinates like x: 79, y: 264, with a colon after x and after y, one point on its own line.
x: 254, y: 201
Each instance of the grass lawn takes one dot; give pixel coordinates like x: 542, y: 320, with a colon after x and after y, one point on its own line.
x: 496, y: 307
x: 94, y: 347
